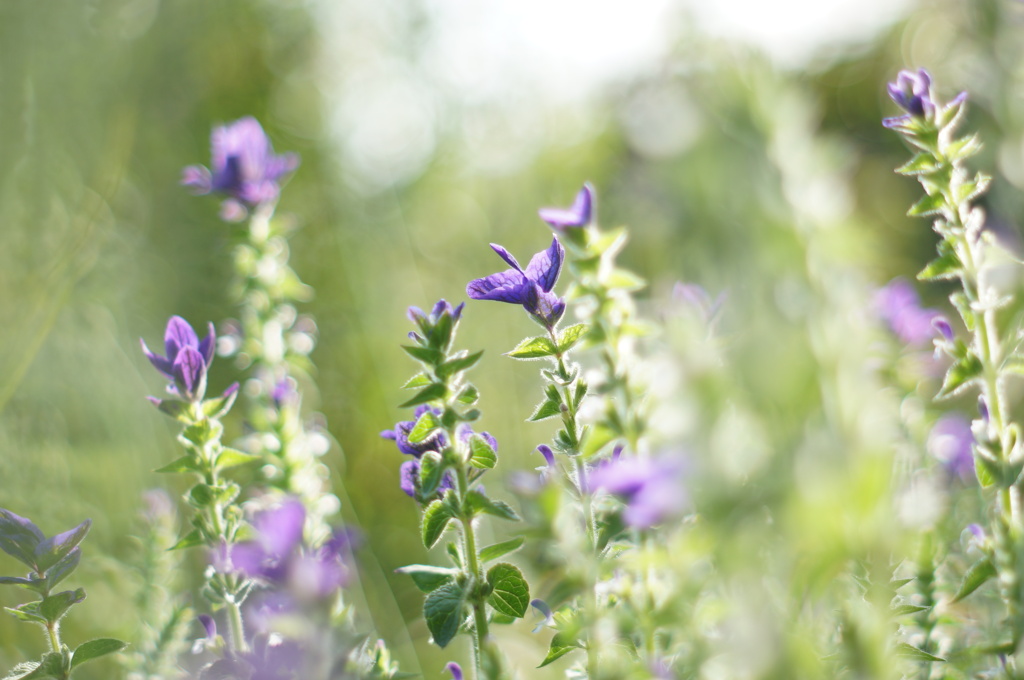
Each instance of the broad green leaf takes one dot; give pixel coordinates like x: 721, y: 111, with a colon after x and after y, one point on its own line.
x: 202, y: 432
x: 433, y: 392
x: 533, y: 348
x: 424, y: 427
x: 94, y: 649
x: 189, y: 540
x: 510, y: 593
x: 477, y: 503
x: 27, y: 612
x: 979, y: 572
x: 431, y: 472
x: 418, y: 380
x: 546, y: 409
x: 986, y: 471
x: 570, y: 336
x: 435, y: 520
x: 458, y: 364
x: 910, y: 652
x: 52, y: 666
x: 428, y: 355
x: 54, y: 607
x: 428, y: 578
x: 180, y: 465
x: 230, y: 458
x: 921, y: 164
x: 176, y: 409
x: 493, y: 552
x: 481, y: 454
x: 62, y: 569
x: 469, y: 395
x: 55, y: 548
x: 960, y: 375
x: 929, y: 205
x: 561, y: 645
x: 443, y: 611
x: 964, y: 147
x: 19, y: 537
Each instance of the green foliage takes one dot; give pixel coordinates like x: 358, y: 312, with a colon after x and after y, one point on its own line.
x: 444, y: 611
x: 510, y: 593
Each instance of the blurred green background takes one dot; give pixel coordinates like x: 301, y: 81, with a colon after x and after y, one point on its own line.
x: 428, y: 129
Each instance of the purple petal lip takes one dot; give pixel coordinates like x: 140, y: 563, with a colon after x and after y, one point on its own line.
x: 507, y: 256
x: 455, y: 670
x: 578, y: 215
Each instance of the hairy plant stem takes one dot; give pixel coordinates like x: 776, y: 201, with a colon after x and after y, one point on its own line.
x: 53, y: 633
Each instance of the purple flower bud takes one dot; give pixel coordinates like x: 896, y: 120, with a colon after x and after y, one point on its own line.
x: 545, y: 611
x: 530, y: 287
x: 400, y: 435
x: 209, y: 625
x: 942, y: 326
x: 548, y: 454
x: 912, y: 92
x: 188, y: 359
x: 455, y: 669
x: 579, y: 215
x: 244, y: 168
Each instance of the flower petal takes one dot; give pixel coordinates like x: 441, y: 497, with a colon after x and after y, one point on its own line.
x: 507, y: 286
x: 507, y: 256
x: 179, y: 334
x: 546, y: 265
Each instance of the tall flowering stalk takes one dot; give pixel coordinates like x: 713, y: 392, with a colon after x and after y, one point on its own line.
x: 214, y: 499
x: 448, y: 461
x: 991, y: 353
x: 272, y: 340
x: 51, y: 560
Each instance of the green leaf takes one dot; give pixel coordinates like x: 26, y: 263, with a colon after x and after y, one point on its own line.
x: 546, y: 409
x: 979, y: 572
x: 477, y: 502
x: 428, y: 355
x: 493, y: 552
x: 175, y: 409
x: 481, y: 454
x: 431, y: 472
x: 94, y: 649
x: 52, y: 666
x: 453, y: 553
x: 968, y: 191
x: 180, y: 465
x: 986, y: 471
x: 424, y: 427
x: 469, y: 395
x: 52, y: 550
x: 189, y: 540
x: 960, y: 375
x: 946, y: 266
x: 435, y: 520
x: 921, y: 164
x: 433, y: 392
x: 217, y: 407
x: 418, y: 380
x: 202, y: 432
x: 910, y: 652
x: 27, y: 612
x: 570, y: 336
x: 905, y: 609
x: 561, y: 645
x: 533, y: 348
x: 623, y: 279
x: 230, y: 458
x: 64, y: 567
x: 443, y: 611
x: 54, y: 607
x: 963, y: 148
x: 14, y: 581
x: 428, y: 578
x: 19, y: 537
x: 510, y: 592
x: 929, y: 205
x: 458, y: 364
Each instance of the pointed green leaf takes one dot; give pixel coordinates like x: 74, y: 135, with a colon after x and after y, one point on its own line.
x: 510, y: 593
x: 905, y: 609
x: 19, y: 537
x: 623, y: 279
x: 435, y: 520
x: 418, y: 380
x: 570, y: 336
x: 94, y: 649
x: 546, y: 409
x: 428, y: 355
x: 477, y: 502
x: 481, y: 454
x: 230, y: 458
x: 218, y: 407
x: 910, y: 652
x: 14, y: 581
x: 986, y: 471
x: 55, y: 548
x: 453, y: 553
x: 443, y: 611
x: 433, y: 392
x: 970, y: 190
x: 458, y: 364
x: 963, y: 148
x: 469, y: 395
x: 189, y: 540
x: 54, y: 607
x: 180, y: 465
x: 946, y: 266
x: 960, y: 375
x: 921, y: 164
x: 493, y: 552
x: 176, y: 409
x: 431, y: 472
x: 64, y: 567
x: 424, y: 427
x: 52, y: 666
x: 979, y: 572
x: 533, y: 348
x: 428, y: 578
x: 27, y: 612
x: 561, y: 645
x: 929, y: 205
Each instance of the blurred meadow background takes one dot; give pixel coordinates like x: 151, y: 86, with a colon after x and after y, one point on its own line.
x: 740, y: 142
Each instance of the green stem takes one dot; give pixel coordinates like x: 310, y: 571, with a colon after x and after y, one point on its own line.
x: 53, y: 632
x: 236, y: 627
x: 480, y: 625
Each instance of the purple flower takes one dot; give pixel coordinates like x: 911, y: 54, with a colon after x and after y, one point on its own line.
x: 898, y: 305
x: 455, y: 669
x: 400, y: 435
x: 912, y: 92
x: 188, y: 359
x: 579, y: 215
x: 951, y: 441
x: 530, y: 288
x: 244, y: 168
x: 652, y: 488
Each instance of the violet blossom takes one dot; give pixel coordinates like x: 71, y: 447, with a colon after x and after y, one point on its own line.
x: 899, y: 306
x: 244, y: 167
x: 530, y: 288
x: 951, y: 442
x: 188, y: 359
x: 580, y: 214
x: 652, y: 488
